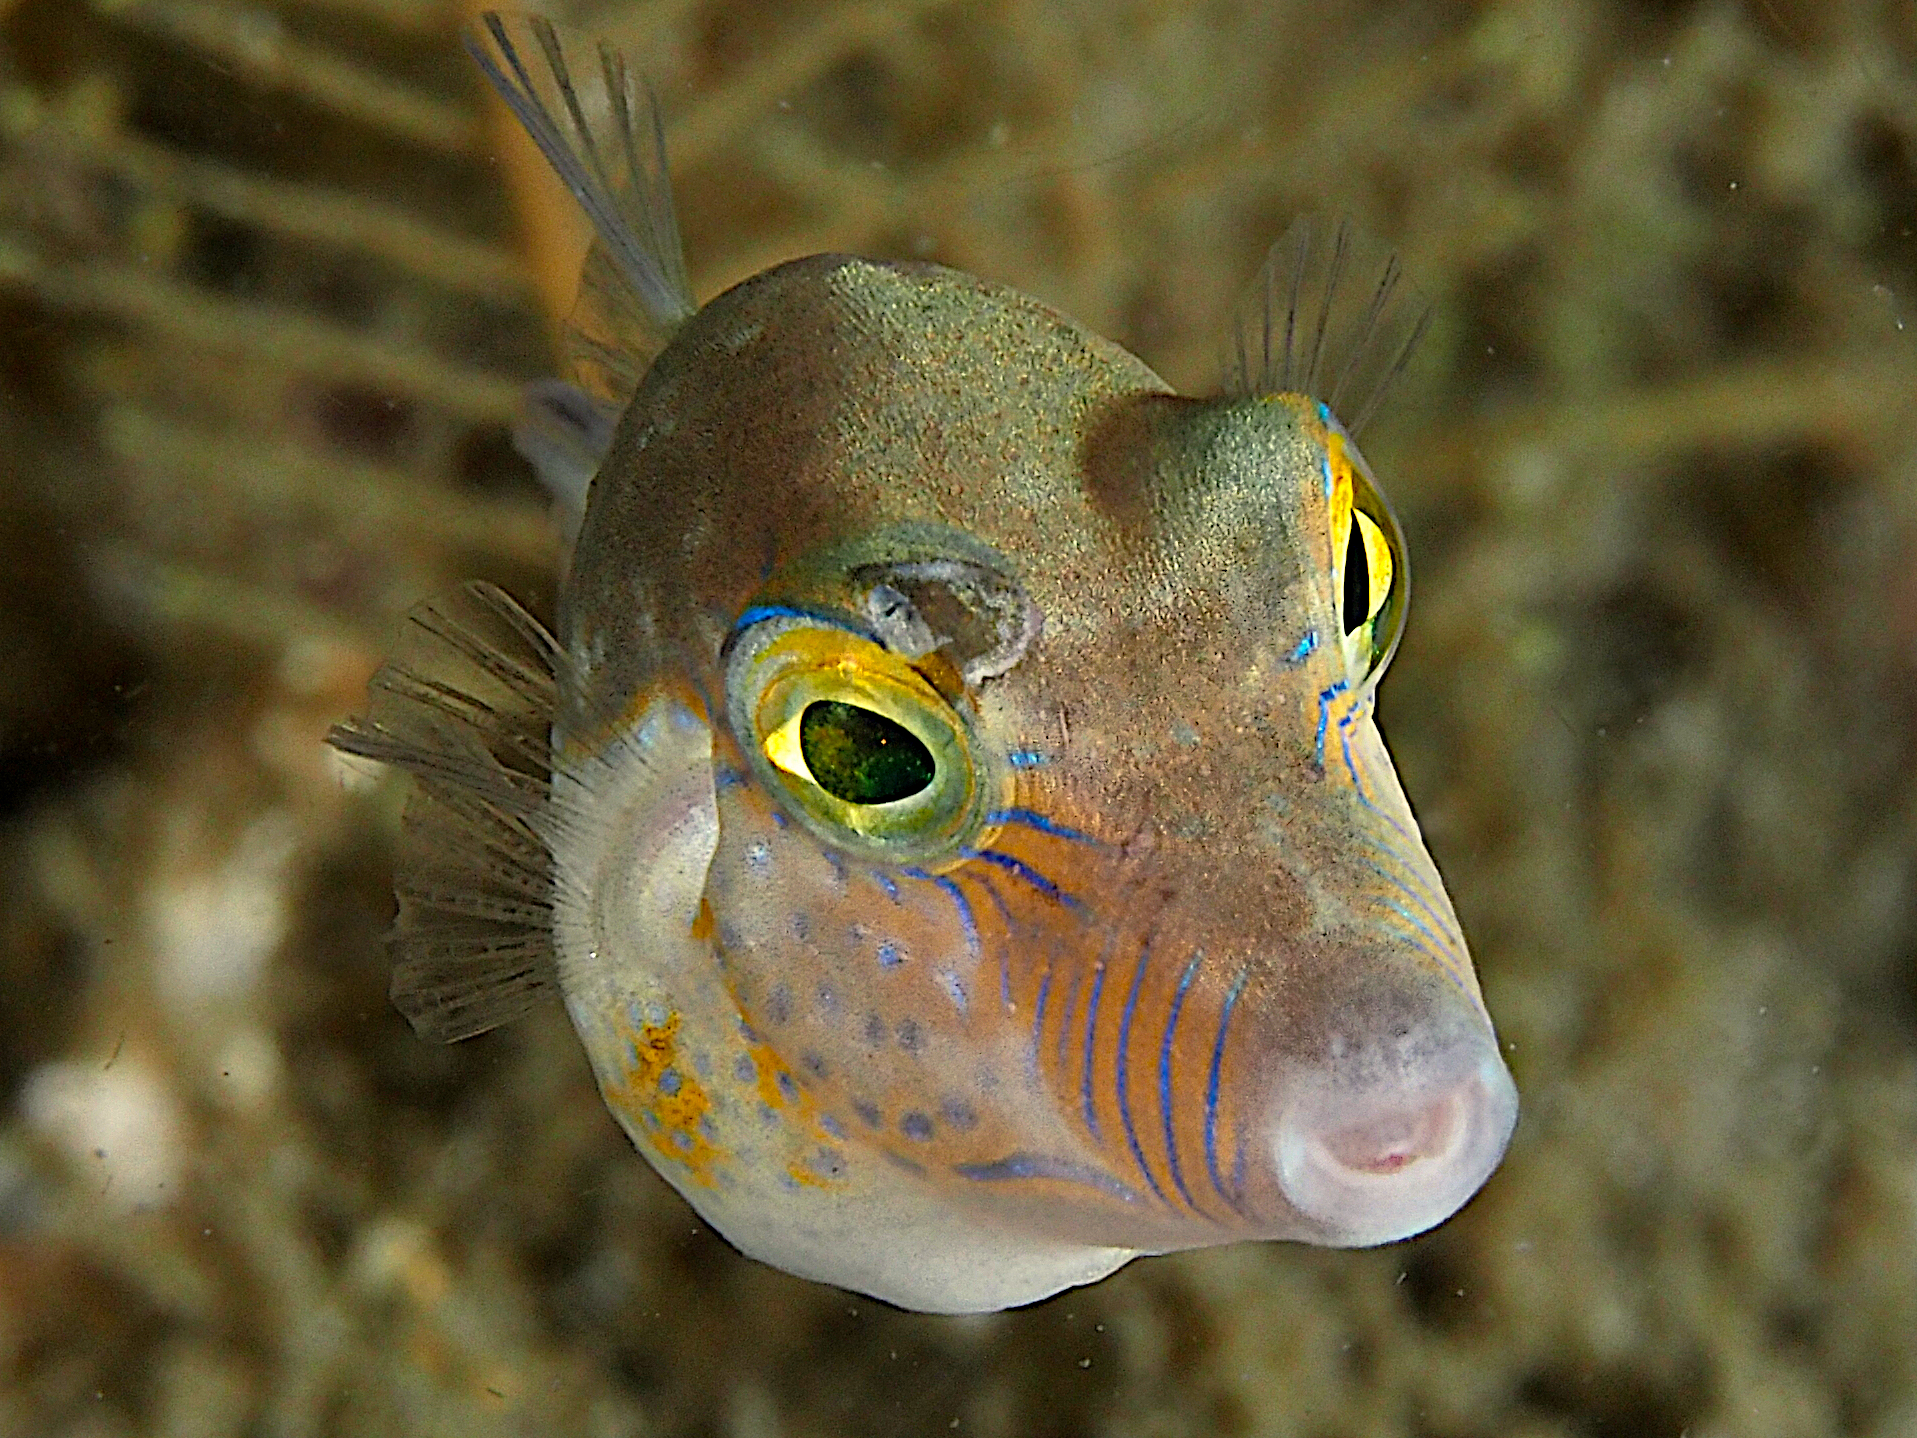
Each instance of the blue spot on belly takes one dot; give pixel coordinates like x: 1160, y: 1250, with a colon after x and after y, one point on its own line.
x: 669, y: 1082
x: 867, y: 1111
x: 911, y: 1036
x: 960, y: 1114
x: 744, y: 1070
x: 831, y: 1125
x: 917, y: 1127
x: 778, y: 1004
x: 788, y: 1087
x: 890, y: 954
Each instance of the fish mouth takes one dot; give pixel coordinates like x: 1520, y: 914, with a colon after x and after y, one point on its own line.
x: 1400, y: 1153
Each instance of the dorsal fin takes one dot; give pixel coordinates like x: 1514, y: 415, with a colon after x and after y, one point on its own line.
x: 634, y: 292
x: 1329, y: 315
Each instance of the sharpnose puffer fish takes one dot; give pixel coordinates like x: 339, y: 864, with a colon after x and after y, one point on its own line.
x: 951, y: 808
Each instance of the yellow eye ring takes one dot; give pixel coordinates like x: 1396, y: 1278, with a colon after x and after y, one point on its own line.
x: 861, y: 746
x: 1370, y: 581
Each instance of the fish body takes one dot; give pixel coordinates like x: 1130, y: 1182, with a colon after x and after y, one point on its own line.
x: 952, y: 808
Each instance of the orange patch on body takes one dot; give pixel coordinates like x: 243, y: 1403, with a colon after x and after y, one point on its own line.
x: 677, y: 1129
x: 799, y: 1173
x: 804, y: 1113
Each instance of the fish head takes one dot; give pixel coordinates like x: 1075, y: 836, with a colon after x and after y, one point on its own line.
x: 1042, y: 714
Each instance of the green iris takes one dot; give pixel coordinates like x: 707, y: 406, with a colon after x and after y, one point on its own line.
x: 861, y: 757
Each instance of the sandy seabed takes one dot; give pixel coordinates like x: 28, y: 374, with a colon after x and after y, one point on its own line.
x: 266, y: 300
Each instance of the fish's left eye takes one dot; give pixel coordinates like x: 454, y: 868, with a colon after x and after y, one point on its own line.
x: 1368, y: 566
x: 858, y: 743
x: 1371, y: 582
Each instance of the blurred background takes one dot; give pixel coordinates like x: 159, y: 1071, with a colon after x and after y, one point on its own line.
x: 270, y: 276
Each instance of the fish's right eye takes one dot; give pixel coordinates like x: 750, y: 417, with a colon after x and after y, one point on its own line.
x: 855, y: 754
x: 859, y: 744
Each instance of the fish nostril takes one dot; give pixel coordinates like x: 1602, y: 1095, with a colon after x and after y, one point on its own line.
x: 1393, y: 1158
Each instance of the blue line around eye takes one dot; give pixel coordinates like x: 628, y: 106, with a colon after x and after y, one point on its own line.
x: 1165, y: 1078
x: 1211, y: 1088
x: 1122, y: 1078
x: 1033, y: 1165
x: 725, y: 776
x: 1091, y: 1032
x: 1324, y: 718
x: 1028, y: 758
x: 1306, y: 647
x: 1026, y: 872
x: 759, y: 613
x: 886, y: 882
x: 1031, y: 819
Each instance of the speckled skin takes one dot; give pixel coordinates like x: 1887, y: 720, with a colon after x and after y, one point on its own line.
x: 1201, y: 944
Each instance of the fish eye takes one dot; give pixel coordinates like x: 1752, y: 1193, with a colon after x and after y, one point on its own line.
x: 855, y: 754
x: 1370, y: 574
x: 856, y: 741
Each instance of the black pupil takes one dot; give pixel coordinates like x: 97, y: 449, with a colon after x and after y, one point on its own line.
x: 1357, y: 580
x: 860, y: 756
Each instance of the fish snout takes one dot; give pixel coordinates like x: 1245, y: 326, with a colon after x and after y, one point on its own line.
x: 1391, y: 1137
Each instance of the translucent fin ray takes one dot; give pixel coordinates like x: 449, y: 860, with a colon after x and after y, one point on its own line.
x: 1329, y: 315
x: 634, y: 292
x: 465, y: 706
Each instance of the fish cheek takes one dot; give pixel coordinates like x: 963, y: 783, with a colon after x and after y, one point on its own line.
x: 633, y: 833
x: 846, y: 971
